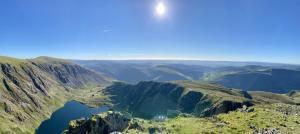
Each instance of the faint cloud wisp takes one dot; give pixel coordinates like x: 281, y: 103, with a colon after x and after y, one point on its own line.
x: 107, y: 30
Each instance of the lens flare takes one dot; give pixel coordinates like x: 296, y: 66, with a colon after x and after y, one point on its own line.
x: 160, y: 9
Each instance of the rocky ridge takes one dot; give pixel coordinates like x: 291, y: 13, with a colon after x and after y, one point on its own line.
x: 148, y: 99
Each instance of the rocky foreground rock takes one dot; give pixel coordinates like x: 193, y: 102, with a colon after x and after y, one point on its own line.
x: 104, y: 123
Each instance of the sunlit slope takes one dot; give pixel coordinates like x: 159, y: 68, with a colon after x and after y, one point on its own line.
x: 276, y: 118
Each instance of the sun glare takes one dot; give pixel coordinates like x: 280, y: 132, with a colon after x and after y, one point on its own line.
x: 160, y: 9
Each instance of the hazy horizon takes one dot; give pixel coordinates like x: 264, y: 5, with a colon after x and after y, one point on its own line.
x: 153, y: 59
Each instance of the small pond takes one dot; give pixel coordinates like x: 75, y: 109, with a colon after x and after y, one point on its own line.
x: 60, y: 119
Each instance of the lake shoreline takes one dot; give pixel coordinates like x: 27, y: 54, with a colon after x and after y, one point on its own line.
x: 60, y: 118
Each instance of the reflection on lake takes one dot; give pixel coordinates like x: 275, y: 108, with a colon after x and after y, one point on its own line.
x: 159, y: 118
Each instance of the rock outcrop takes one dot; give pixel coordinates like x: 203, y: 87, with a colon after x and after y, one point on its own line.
x: 268, y: 131
x: 104, y: 123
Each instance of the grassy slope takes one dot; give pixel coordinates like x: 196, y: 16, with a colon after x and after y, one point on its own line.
x: 267, y: 97
x: 9, y: 60
x: 263, y: 117
x: 259, y: 97
x: 215, y: 91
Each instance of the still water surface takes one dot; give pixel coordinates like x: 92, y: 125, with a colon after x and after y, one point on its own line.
x: 59, y: 119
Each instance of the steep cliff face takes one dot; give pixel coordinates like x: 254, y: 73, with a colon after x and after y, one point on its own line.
x: 67, y: 73
x: 31, y: 89
x: 148, y: 99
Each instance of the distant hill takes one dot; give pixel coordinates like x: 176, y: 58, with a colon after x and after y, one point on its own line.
x: 271, y: 80
x: 134, y: 72
x: 254, y: 76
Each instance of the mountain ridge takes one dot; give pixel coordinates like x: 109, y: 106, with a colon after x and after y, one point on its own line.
x: 203, y: 99
x: 31, y: 89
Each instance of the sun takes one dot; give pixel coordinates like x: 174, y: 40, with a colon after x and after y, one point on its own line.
x: 160, y: 9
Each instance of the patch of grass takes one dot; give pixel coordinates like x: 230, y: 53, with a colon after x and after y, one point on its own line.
x: 50, y: 60
x: 263, y: 117
x: 92, y: 96
x: 215, y: 92
x: 12, y: 61
x: 267, y: 97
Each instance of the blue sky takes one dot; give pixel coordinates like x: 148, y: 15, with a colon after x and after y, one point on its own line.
x: 238, y: 30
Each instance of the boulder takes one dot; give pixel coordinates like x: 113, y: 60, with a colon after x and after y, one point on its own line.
x: 104, y: 123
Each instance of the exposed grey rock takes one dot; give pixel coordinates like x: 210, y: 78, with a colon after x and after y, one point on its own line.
x: 288, y: 109
x: 104, y: 123
x: 268, y: 131
x: 246, y: 109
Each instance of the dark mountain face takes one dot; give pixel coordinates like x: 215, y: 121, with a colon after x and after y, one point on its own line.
x: 272, y: 80
x: 69, y: 74
x: 147, y: 99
